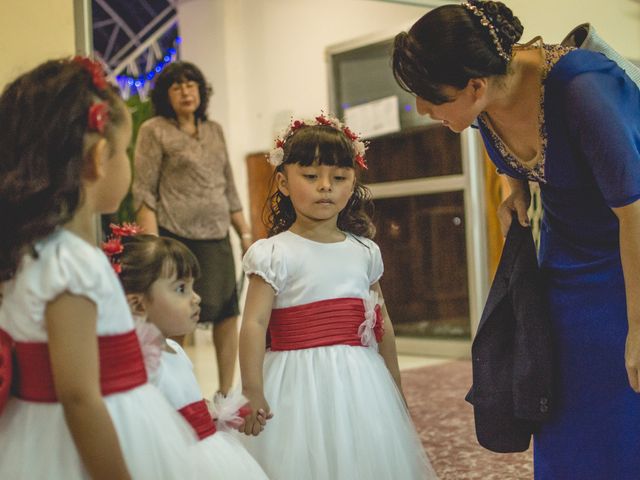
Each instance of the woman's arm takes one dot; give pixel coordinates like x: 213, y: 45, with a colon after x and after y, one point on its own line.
x: 147, y: 168
x: 242, y: 229
x: 387, y: 347
x: 629, y: 218
x: 255, y: 319
x: 73, y: 349
x: 147, y: 219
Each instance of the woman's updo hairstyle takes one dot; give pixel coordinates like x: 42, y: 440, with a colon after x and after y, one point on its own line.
x: 506, y: 25
x: 452, y: 44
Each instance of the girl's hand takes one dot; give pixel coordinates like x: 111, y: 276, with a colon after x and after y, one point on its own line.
x: 255, y: 422
x: 632, y: 359
x: 518, y: 203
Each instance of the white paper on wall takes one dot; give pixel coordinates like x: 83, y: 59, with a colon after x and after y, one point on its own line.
x: 374, y: 118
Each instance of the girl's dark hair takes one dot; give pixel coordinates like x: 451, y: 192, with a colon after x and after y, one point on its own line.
x: 326, y: 146
x: 145, y: 258
x: 43, y: 138
x: 179, y: 72
x: 449, y: 46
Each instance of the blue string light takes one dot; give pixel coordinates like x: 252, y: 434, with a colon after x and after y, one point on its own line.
x: 138, y: 83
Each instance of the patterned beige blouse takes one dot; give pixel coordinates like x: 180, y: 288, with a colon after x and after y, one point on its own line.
x: 186, y: 180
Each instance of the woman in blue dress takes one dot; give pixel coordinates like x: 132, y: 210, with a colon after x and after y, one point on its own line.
x: 570, y: 120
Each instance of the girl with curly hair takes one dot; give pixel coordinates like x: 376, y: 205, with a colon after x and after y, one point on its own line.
x: 330, y: 376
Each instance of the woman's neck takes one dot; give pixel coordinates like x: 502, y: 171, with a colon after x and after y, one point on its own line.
x: 517, y: 93
x: 187, y: 122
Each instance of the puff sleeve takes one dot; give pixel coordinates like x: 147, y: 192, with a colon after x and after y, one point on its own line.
x: 266, y: 259
x: 59, y: 268
x: 376, y: 267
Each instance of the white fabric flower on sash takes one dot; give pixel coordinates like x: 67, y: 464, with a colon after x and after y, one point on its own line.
x: 151, y: 344
x: 229, y: 411
x: 372, y: 329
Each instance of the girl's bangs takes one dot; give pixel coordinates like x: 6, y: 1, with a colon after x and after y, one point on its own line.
x: 321, y: 145
x: 181, y: 262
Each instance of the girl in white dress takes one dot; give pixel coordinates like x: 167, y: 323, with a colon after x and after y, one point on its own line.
x: 80, y: 405
x: 328, y: 372
x: 157, y: 274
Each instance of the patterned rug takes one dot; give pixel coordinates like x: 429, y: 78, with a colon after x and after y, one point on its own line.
x: 435, y: 395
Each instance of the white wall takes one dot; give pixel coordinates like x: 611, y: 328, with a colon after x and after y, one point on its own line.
x: 266, y: 58
x: 32, y: 31
x: 617, y: 21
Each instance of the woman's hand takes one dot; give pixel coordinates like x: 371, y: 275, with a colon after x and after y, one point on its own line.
x: 632, y: 359
x: 518, y: 203
x: 629, y: 219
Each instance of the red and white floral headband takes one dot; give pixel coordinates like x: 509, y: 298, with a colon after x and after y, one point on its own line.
x: 276, y: 156
x: 113, y: 246
x: 98, y: 112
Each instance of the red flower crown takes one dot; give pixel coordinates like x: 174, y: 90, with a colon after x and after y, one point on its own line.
x: 113, y: 246
x: 276, y: 156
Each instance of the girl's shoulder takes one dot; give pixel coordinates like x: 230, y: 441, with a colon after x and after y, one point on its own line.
x: 363, y: 241
x: 178, y: 351
x: 65, y: 247
x: 267, y: 248
x: 269, y: 258
x: 61, y: 262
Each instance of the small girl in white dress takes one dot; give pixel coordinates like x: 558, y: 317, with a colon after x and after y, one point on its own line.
x: 317, y: 348
x: 80, y: 406
x: 157, y: 274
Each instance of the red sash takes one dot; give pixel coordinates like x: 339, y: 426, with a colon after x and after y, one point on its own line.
x: 121, y: 367
x: 198, y: 416
x: 6, y: 372
x: 320, y: 324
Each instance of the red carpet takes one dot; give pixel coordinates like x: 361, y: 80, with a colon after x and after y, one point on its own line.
x: 435, y: 395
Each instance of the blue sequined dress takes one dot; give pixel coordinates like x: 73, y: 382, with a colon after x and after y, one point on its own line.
x: 590, y: 130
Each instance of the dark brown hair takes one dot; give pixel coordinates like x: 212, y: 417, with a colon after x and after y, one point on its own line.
x: 145, y: 258
x: 43, y: 133
x: 327, y: 146
x: 176, y: 73
x: 448, y: 46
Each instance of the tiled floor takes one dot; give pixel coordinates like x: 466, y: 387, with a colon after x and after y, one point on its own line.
x: 204, y: 361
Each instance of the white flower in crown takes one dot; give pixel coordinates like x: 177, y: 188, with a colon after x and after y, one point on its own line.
x: 276, y: 156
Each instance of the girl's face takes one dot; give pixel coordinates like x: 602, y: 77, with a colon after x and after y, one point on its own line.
x: 461, y: 111
x: 317, y: 192
x: 173, y: 306
x: 117, y: 169
x: 184, y: 97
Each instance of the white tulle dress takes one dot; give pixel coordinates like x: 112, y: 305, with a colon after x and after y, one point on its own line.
x: 35, y: 442
x: 337, y: 412
x: 221, y: 455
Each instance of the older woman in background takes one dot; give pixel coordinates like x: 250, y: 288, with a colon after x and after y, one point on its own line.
x: 184, y: 188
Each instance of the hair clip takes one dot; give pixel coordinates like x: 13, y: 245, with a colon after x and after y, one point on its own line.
x: 113, y: 247
x: 95, y: 69
x: 98, y: 117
